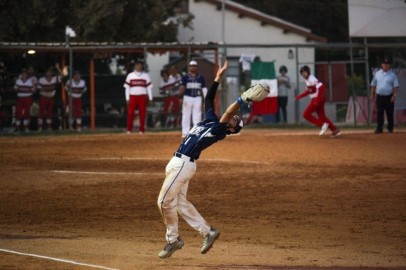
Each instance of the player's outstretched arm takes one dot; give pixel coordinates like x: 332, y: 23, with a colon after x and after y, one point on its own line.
x: 211, y: 94
x: 302, y: 95
x: 230, y: 112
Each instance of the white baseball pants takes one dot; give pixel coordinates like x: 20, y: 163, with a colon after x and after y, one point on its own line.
x: 191, y: 107
x: 172, y: 199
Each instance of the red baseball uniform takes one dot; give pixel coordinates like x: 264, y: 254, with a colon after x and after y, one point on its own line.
x: 137, y: 86
x: 47, y: 90
x: 78, y: 88
x: 25, y: 89
x: 315, y: 89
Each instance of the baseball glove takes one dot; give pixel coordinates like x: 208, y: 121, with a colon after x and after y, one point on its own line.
x: 256, y: 93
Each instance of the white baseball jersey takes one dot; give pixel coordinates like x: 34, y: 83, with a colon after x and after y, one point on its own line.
x: 313, y: 86
x: 78, y: 88
x: 24, y: 89
x: 136, y: 84
x: 47, y: 88
x: 170, y: 87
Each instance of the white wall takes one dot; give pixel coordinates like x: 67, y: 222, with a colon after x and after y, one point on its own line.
x: 207, y: 26
x: 155, y: 65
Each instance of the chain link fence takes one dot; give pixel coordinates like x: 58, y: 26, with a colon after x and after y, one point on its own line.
x: 345, y: 69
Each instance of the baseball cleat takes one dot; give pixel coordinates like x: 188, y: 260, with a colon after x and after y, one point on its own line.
x: 209, y: 239
x: 324, y: 128
x: 169, y: 249
x: 336, y: 133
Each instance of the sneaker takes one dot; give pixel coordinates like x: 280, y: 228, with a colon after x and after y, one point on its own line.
x: 378, y: 131
x: 209, y: 239
x: 336, y: 133
x: 169, y: 249
x: 324, y: 128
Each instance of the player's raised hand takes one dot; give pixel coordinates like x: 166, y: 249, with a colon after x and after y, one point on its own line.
x: 221, y: 71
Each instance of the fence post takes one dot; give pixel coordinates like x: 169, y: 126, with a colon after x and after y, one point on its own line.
x: 297, y: 107
x: 352, y: 85
x: 92, y: 94
x: 367, y: 81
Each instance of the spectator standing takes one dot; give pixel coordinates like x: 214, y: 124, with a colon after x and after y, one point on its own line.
x: 315, y: 89
x: 283, y: 87
x: 138, y: 88
x: 47, y: 89
x: 193, y: 89
x: 25, y: 88
x: 78, y: 88
x: 170, y: 89
x: 384, y: 88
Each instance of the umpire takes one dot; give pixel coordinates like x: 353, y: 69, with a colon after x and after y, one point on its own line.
x: 385, y: 87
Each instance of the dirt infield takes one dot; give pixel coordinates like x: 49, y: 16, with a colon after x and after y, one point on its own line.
x: 282, y: 200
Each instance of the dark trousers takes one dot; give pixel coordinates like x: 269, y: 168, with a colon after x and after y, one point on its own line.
x: 282, y: 103
x: 384, y: 105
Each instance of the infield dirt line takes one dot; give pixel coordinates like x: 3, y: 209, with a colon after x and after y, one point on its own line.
x: 202, y: 160
x: 56, y: 259
x: 107, y: 173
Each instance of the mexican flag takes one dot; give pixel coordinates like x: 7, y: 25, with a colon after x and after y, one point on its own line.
x: 265, y: 71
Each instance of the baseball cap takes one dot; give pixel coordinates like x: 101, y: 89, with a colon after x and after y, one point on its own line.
x: 193, y: 63
x: 386, y: 60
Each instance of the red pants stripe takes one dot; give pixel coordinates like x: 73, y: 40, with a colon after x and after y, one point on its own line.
x: 140, y: 103
x: 319, y: 109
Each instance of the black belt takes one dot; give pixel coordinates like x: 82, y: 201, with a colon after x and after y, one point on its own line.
x: 179, y: 155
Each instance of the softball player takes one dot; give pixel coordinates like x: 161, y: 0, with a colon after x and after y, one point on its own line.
x: 78, y: 88
x: 181, y: 168
x: 25, y: 88
x: 193, y: 88
x: 315, y: 89
x: 47, y: 89
x: 170, y: 88
x: 137, y: 86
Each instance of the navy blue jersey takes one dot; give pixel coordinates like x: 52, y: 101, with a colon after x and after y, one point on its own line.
x: 193, y: 85
x: 203, y: 135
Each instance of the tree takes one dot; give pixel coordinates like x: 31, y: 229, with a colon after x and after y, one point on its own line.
x: 92, y: 20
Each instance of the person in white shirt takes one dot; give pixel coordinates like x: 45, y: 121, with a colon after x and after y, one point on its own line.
x: 77, y: 89
x: 25, y: 88
x: 315, y: 89
x: 47, y: 89
x: 169, y: 87
x: 138, y: 88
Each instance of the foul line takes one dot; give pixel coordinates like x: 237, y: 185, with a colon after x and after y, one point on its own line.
x: 57, y: 259
x: 105, y: 173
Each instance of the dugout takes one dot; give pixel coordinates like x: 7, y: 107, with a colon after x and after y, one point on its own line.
x: 90, y: 59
